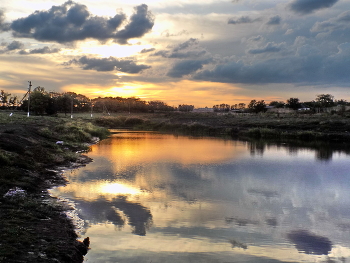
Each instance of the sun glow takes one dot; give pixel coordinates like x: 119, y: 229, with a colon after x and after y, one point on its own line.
x: 118, y: 188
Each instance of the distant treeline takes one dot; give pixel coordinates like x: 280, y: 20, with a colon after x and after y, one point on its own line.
x: 322, y: 103
x: 42, y: 102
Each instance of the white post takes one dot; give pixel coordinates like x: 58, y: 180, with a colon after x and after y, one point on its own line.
x: 30, y: 86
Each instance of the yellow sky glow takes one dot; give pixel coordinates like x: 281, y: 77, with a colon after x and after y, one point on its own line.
x: 199, y: 93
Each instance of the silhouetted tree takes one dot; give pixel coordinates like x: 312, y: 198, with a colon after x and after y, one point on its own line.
x: 257, y: 106
x: 186, y: 107
x: 277, y: 104
x: 325, y: 100
x: 293, y: 103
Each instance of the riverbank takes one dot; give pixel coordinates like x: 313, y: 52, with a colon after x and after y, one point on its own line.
x: 298, y: 126
x: 34, y: 226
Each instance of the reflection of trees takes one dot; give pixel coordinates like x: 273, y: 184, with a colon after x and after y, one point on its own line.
x: 324, y: 154
x: 309, y: 243
x: 99, y: 211
x: 324, y: 150
x: 257, y: 147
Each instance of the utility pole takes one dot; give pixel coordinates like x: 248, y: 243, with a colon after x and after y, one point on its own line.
x: 71, y: 108
x: 30, y: 87
x: 91, y: 106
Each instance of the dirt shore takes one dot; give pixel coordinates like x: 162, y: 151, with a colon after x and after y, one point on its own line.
x: 34, y: 226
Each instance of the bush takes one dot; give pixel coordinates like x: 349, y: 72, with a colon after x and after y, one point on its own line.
x: 133, y: 122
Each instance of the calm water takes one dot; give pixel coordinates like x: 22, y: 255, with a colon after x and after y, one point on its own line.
x: 149, y: 197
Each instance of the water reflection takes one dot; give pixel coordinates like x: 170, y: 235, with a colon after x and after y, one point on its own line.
x: 163, y: 198
x: 117, y: 211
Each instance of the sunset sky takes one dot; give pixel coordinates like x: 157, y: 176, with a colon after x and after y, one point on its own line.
x: 187, y: 51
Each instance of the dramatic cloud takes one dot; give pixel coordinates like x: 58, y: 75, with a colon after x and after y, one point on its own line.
x: 44, y: 50
x: 186, y: 67
x: 342, y: 21
x: 15, y: 45
x: 71, y: 22
x: 270, y: 47
x: 186, y: 44
x: 187, y: 49
x: 162, y: 53
x: 275, y: 20
x: 242, y: 20
x: 308, y: 65
x: 309, y: 6
x: 107, y: 64
x: 140, y: 23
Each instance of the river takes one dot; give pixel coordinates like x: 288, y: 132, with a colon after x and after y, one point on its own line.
x: 150, y: 197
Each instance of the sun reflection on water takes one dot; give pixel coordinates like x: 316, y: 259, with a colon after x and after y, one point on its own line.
x: 118, y: 188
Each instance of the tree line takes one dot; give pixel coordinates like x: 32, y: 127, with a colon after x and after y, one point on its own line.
x: 321, y: 103
x: 42, y: 102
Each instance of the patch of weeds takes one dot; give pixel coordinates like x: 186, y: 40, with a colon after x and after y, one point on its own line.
x: 6, y: 158
x: 46, y: 132
x: 133, y: 122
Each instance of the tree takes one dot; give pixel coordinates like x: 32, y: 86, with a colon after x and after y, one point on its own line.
x: 293, y: 103
x: 185, y: 107
x: 4, y: 98
x: 221, y: 108
x: 342, y: 102
x: 277, y: 104
x: 257, y: 106
x: 325, y: 100
x: 241, y: 106
x: 157, y: 105
x: 64, y: 103
x: 39, y: 101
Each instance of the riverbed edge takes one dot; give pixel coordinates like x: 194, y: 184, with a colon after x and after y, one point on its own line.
x: 34, y: 225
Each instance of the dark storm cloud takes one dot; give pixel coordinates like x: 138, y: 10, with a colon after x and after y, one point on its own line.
x: 140, y: 23
x: 3, y: 25
x: 309, y: 67
x: 145, y: 50
x: 107, y: 64
x: 270, y: 47
x: 72, y: 21
x: 186, y: 67
x: 309, y: 6
x: 242, y: 20
x: 15, y: 45
x: 275, y: 20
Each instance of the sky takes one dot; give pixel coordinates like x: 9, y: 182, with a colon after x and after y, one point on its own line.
x: 181, y: 52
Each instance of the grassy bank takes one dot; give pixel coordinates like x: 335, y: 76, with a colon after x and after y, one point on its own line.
x: 324, y: 127
x: 34, y: 227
